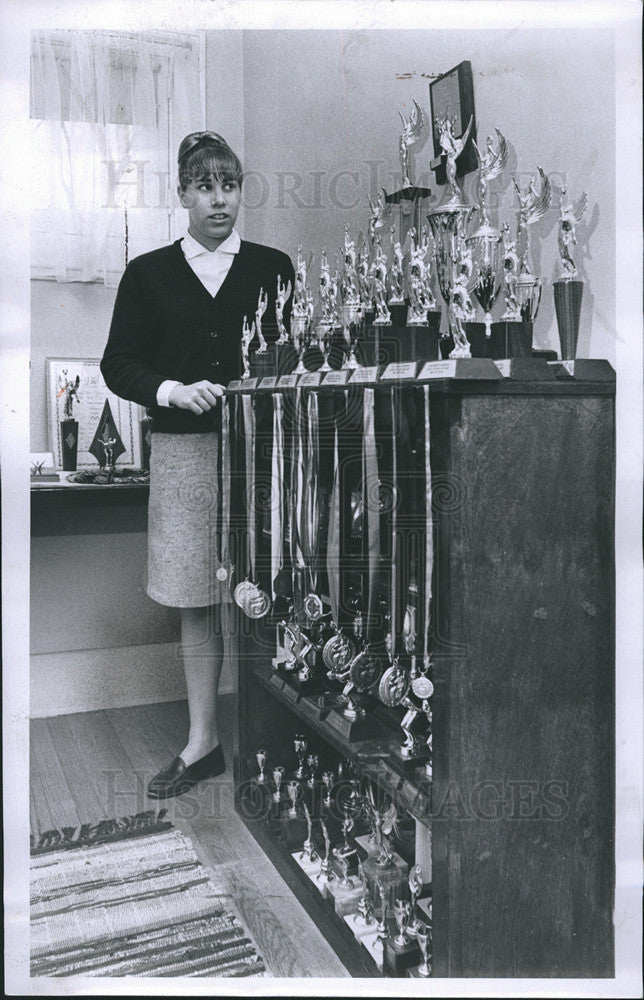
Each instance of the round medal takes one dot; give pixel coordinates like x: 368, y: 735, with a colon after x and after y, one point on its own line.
x: 241, y: 592
x: 338, y: 652
x: 422, y: 687
x: 393, y: 686
x: 313, y: 607
x: 222, y: 573
x: 365, y: 670
x: 257, y: 603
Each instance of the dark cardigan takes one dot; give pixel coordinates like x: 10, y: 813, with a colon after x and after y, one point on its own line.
x: 166, y: 325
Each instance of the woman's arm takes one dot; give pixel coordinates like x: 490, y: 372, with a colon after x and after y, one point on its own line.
x: 128, y: 365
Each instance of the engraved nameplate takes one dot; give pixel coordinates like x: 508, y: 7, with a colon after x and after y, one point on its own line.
x: 438, y: 369
x: 310, y: 378
x: 268, y: 382
x: 287, y: 381
x: 235, y: 385
x: 368, y: 374
x: 336, y: 378
x: 249, y: 383
x: 399, y: 370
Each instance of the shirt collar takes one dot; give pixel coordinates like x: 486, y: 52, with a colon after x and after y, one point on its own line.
x: 192, y: 248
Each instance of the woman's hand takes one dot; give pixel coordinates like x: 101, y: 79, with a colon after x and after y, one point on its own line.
x: 200, y: 397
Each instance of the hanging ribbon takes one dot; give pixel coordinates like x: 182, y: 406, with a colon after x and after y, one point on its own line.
x: 226, y: 484
x: 310, y: 506
x: 429, y: 531
x: 277, y: 488
x: 249, y: 442
x: 393, y: 521
x: 333, y: 536
x: 371, y: 504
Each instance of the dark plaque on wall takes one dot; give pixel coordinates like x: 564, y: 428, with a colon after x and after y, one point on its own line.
x: 452, y: 95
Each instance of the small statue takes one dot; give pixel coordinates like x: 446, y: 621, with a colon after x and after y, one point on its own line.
x: 262, y: 305
x: 569, y: 215
x: 349, y: 287
x: 461, y: 309
x: 378, y: 213
x: 283, y: 295
x: 396, y: 296
x: 533, y: 205
x: 491, y: 163
x: 70, y: 390
x: 421, y: 298
x: 452, y: 149
x: 362, y: 274
x: 378, y: 275
x: 512, y: 311
x: 107, y: 449
x: 411, y: 133
x: 248, y: 334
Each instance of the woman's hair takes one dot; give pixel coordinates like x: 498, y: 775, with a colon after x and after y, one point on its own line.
x: 206, y: 155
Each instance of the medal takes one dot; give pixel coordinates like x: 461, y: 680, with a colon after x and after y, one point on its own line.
x: 252, y: 600
x: 313, y: 607
x: 422, y: 687
x: 393, y: 686
x: 338, y: 652
x: 365, y: 670
x: 222, y: 574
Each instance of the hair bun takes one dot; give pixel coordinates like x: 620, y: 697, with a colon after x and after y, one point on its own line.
x: 200, y: 139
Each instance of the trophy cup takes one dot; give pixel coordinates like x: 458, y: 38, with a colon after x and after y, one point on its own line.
x: 301, y: 748
x: 278, y: 774
x: 485, y: 242
x: 422, y: 937
x: 449, y: 220
x: 511, y: 337
x: 568, y: 290
x: 533, y: 205
x: 402, y: 914
x: 260, y: 756
x: 68, y: 426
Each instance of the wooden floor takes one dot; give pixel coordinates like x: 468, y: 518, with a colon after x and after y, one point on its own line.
x: 96, y: 765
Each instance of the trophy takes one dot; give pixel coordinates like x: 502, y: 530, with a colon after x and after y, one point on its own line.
x: 410, y: 196
x: 378, y: 276
x: 568, y: 289
x: 365, y: 906
x: 461, y: 310
x: 328, y: 779
x: 326, y: 869
x: 308, y: 850
x: 328, y: 291
x: 262, y: 305
x: 278, y: 774
x: 312, y: 762
x: 448, y: 221
x: 422, y: 937
x: 302, y: 312
x: 260, y: 756
x: 283, y: 294
x: 402, y: 913
x: 106, y: 444
x: 293, y: 789
x: 485, y: 242
x: 68, y: 426
x: 533, y: 205
x: 381, y: 930
x: 421, y: 297
x: 379, y: 212
x: 301, y: 747
x: 415, y: 885
x: 248, y: 335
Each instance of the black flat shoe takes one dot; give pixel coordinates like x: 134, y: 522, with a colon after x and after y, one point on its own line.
x: 178, y: 777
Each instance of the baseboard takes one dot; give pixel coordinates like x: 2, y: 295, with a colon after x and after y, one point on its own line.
x: 89, y: 680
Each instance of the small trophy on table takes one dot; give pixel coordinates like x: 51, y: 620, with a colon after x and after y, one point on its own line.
x: 302, y: 313
x: 485, y: 242
x: 69, y: 426
x: 533, y: 205
x: 569, y: 289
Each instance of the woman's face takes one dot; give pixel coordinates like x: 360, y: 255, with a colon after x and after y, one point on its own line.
x: 212, y: 208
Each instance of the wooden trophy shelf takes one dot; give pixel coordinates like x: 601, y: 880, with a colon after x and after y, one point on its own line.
x: 517, y: 817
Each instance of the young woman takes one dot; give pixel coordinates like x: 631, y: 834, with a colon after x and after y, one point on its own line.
x: 173, y: 345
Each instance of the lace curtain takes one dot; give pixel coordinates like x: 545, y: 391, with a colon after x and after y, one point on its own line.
x: 108, y: 111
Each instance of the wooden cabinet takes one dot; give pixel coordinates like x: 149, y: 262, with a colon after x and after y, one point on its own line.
x: 520, y: 807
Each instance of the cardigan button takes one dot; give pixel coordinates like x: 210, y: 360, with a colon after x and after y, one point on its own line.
x: 214, y: 335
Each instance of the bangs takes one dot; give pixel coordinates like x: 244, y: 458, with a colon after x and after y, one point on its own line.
x: 217, y: 163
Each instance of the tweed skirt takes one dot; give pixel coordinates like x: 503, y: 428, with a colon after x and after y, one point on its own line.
x: 183, y: 543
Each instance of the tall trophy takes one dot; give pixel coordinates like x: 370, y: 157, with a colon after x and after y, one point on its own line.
x: 485, y: 242
x: 378, y: 275
x: 302, y: 313
x: 396, y: 299
x: 422, y: 309
x: 533, y: 205
x: 350, y: 294
x: 328, y: 291
x: 568, y: 289
x: 511, y: 337
x: 283, y: 346
x: 68, y: 426
x: 410, y: 197
x: 449, y: 220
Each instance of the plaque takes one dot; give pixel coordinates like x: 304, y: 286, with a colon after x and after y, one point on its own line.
x: 287, y: 381
x: 361, y: 375
x: 336, y: 378
x: 268, y: 382
x: 235, y: 385
x: 310, y: 378
x: 248, y: 384
x: 438, y: 369
x: 400, y: 370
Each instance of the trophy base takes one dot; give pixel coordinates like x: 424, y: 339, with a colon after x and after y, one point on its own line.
x: 353, y: 730
x: 399, y: 958
x: 264, y: 365
x: 568, y: 295
x: 374, y: 948
x: 393, y: 879
x: 415, y: 972
x: 292, y: 831
x: 358, y: 925
x: 408, y: 765
x: 478, y: 341
x: 424, y: 908
x: 351, y: 857
x: 315, y: 706
x: 69, y: 444
x: 344, y: 900
x: 402, y: 344
x: 586, y: 369
x: 311, y: 686
x: 526, y: 369
x: 511, y: 339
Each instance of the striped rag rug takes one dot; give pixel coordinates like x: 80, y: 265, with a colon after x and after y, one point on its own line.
x: 129, y: 897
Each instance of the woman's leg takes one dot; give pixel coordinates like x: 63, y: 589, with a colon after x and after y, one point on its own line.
x: 202, y: 648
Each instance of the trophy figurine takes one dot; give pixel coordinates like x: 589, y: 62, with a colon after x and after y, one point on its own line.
x: 328, y: 290
x: 326, y: 870
x: 301, y: 748
x: 533, y: 205
x: 409, y: 745
x: 351, y: 311
x: 378, y: 275
x: 411, y: 133
x: 397, y: 293
x: 410, y: 196
x: 485, y: 242
x: 512, y: 311
x: 260, y: 756
x: 308, y: 850
x: 346, y: 880
x: 282, y: 297
x: 379, y: 212
x: 262, y: 305
x: 278, y: 774
x: 402, y: 913
x: 461, y: 309
x: 568, y: 289
x: 248, y: 334
x: 381, y: 930
x: 421, y: 298
x: 328, y: 779
x: 422, y: 936
x: 302, y: 312
x: 312, y: 763
x: 68, y: 425
x: 451, y: 148
x: 293, y: 789
x: 365, y: 906
x: 415, y: 885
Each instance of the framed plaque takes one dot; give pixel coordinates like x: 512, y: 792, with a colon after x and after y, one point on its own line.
x: 268, y: 382
x: 364, y: 375
x: 336, y: 378
x: 438, y: 369
x: 400, y: 370
x: 88, y: 408
x: 287, y: 381
x: 248, y: 384
x: 235, y: 385
x: 310, y: 378
x: 452, y: 94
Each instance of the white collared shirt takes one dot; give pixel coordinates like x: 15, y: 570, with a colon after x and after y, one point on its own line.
x: 211, y: 267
